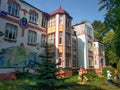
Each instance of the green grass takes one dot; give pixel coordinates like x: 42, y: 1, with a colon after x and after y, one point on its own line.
x: 11, y: 85
x: 71, y: 83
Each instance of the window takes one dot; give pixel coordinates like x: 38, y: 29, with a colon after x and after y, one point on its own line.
x: 68, y: 40
x: 74, y: 45
x: 51, y: 21
x: 74, y: 61
x: 68, y: 23
x: 91, y: 62
x: 51, y: 38
x: 60, y: 37
x: 11, y: 32
x: 89, y: 31
x: 67, y: 60
x: 33, y: 17
x: 61, y: 19
x: 13, y: 9
x: 44, y: 21
x: 90, y: 46
x: 32, y: 37
x: 60, y: 58
x: 95, y: 61
x: 43, y: 40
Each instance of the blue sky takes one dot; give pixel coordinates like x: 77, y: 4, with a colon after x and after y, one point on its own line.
x: 78, y: 9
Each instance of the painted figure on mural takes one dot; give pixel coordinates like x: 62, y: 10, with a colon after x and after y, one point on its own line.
x: 17, y: 56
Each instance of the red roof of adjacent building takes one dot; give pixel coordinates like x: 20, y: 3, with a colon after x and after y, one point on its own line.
x: 60, y: 11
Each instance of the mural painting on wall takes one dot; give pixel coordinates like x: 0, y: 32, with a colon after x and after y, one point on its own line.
x: 17, y: 56
x: 24, y: 22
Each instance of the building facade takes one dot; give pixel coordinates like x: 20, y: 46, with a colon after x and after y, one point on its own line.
x: 99, y: 56
x: 85, y: 38
x: 62, y: 39
x: 24, y: 28
x: 27, y: 30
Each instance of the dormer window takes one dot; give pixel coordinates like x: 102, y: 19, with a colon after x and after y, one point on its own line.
x: 33, y: 17
x: 13, y: 9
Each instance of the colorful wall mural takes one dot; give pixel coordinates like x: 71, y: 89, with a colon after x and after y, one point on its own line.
x: 17, y: 56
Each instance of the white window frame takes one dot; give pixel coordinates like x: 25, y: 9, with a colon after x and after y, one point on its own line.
x: 43, y: 40
x: 32, y: 37
x: 13, y: 9
x: 11, y: 32
x: 33, y: 17
x: 51, y: 38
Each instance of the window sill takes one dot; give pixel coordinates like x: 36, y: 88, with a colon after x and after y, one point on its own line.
x: 68, y: 45
x: 32, y: 44
x: 61, y: 44
x: 33, y: 23
x: 13, y: 15
x: 9, y: 40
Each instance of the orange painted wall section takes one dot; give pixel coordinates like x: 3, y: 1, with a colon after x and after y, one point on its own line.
x: 61, y: 27
x: 51, y: 29
x: 60, y: 49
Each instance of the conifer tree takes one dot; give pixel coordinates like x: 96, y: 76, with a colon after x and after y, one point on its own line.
x: 45, y: 73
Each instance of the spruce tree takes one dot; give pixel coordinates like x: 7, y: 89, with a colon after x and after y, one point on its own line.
x: 45, y: 73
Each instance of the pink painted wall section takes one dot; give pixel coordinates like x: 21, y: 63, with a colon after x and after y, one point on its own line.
x: 8, y: 76
x: 99, y: 57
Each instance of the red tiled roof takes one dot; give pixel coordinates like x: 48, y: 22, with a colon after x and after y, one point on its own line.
x: 59, y: 11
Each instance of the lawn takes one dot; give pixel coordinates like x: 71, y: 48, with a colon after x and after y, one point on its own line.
x: 71, y: 83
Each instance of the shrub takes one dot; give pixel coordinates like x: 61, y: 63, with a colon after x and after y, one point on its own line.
x: 92, y: 76
x: 118, y: 66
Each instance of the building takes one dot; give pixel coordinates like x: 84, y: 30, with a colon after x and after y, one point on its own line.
x: 85, y: 38
x: 99, y: 57
x: 24, y: 28
x: 60, y: 36
x: 27, y: 30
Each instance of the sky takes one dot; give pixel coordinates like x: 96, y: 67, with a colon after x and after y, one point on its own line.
x: 78, y: 9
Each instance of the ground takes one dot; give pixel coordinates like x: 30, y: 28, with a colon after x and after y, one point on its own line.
x: 71, y: 83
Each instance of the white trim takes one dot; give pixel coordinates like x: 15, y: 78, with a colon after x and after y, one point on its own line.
x: 56, y: 35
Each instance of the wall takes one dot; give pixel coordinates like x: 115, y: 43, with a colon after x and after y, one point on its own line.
x: 10, y: 51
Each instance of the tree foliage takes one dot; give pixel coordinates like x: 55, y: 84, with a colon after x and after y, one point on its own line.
x: 110, y: 55
x: 99, y: 30
x: 106, y: 37
x: 45, y: 73
x: 112, y: 19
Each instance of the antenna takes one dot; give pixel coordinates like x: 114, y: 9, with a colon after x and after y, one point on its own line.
x: 60, y: 2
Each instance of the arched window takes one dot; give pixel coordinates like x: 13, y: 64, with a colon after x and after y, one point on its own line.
x: 13, y: 9
x: 33, y: 17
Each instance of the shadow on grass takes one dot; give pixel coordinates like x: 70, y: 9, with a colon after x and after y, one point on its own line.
x: 77, y: 86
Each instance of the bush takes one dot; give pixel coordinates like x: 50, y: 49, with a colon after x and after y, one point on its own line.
x: 92, y: 76
x: 118, y: 66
